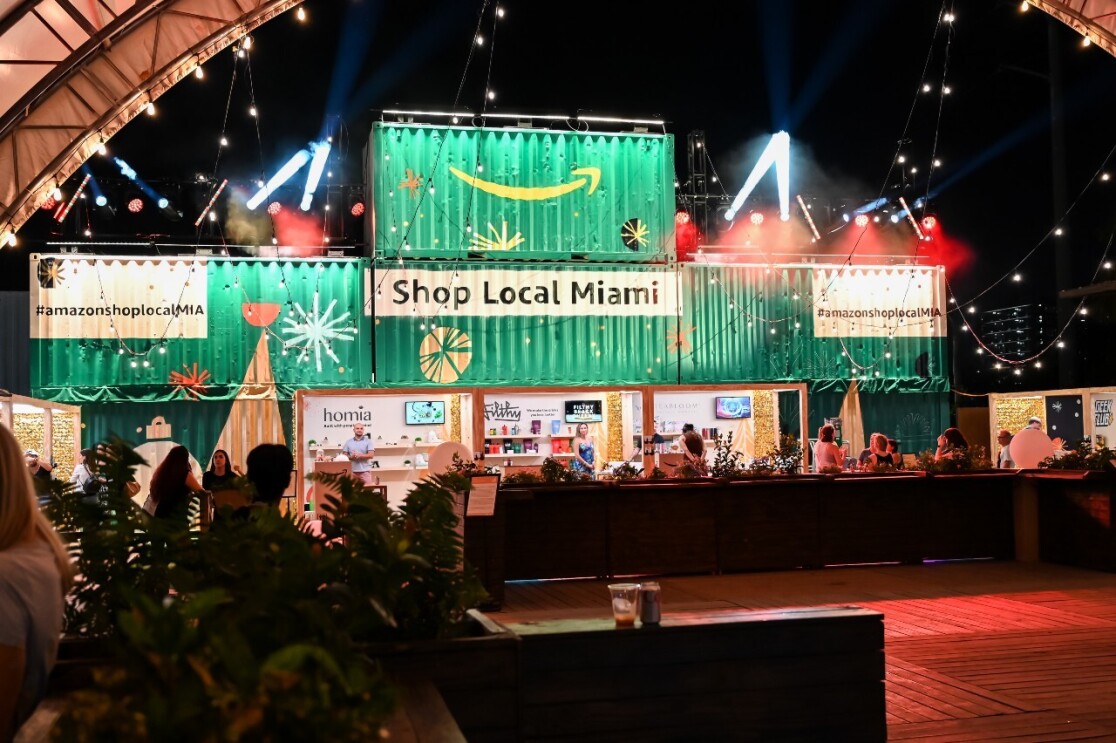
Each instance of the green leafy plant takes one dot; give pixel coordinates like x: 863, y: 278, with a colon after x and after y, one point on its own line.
x: 555, y: 471
x: 265, y: 632
x: 726, y: 462
x: 627, y: 471
x: 522, y: 478
x: 686, y: 471
x: 469, y: 468
x: 1081, y: 457
x: 656, y: 474
x: 787, y: 457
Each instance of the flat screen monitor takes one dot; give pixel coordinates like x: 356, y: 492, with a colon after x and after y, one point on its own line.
x: 584, y: 411
x: 734, y: 407
x: 425, y: 413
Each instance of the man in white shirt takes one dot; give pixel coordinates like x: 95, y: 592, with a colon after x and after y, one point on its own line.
x: 1005, y: 461
x: 360, y: 452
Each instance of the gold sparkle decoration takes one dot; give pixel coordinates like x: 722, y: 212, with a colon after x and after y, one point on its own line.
x: 455, y: 418
x: 444, y: 355
x: 614, y: 444
x: 30, y: 431
x: 411, y: 183
x: 1012, y: 413
x: 62, y: 445
x: 763, y: 415
x: 679, y: 338
x: 499, y: 239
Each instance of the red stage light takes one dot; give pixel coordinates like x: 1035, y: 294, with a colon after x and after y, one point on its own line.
x: 50, y: 203
x: 861, y: 220
x: 358, y: 209
x: 682, y: 217
x: 756, y: 217
x: 274, y: 208
x: 929, y: 223
x: 135, y: 206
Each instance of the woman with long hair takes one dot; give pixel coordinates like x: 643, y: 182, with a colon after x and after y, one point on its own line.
x: 172, y: 485
x: 827, y: 454
x: 583, y: 450
x: 35, y: 575
x: 221, y: 472
x: 879, y: 454
x: 950, y: 444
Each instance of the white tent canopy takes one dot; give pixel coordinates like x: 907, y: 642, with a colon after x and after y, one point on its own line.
x: 73, y: 73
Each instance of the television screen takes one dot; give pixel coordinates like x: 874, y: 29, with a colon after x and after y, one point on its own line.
x: 425, y: 413
x: 734, y: 407
x: 584, y: 411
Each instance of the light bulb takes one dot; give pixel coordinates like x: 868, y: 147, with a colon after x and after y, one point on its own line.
x: 199, y: 73
x: 150, y: 108
x: 252, y: 111
x: 301, y: 14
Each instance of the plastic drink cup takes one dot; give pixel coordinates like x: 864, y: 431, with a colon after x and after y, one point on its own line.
x: 625, y: 603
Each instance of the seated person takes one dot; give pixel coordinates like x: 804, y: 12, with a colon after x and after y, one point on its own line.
x: 951, y: 444
x: 879, y: 455
x: 826, y: 452
x: 269, y: 469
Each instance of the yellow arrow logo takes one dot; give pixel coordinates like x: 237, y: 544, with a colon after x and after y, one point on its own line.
x: 536, y: 193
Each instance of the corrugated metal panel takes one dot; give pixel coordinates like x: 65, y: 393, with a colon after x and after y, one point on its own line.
x: 538, y: 195
x: 219, y: 329
x: 15, y: 361
x: 543, y: 324
x: 756, y: 323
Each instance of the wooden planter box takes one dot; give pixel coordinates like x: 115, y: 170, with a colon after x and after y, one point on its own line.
x: 476, y: 675
x: 812, y: 674
x: 1075, y: 517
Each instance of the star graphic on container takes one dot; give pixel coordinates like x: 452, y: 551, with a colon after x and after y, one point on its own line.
x: 679, y: 339
x: 50, y: 273
x: 192, y: 383
x: 634, y: 234
x: 411, y: 183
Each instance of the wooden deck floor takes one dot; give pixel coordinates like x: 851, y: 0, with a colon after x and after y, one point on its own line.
x: 976, y: 651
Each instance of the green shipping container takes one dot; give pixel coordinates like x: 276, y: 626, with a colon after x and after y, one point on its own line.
x: 195, y: 329
x: 521, y: 194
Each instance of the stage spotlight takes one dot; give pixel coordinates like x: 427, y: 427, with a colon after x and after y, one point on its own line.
x: 682, y: 217
x: 775, y: 155
x: 861, y: 220
x: 756, y: 218
x: 290, y: 168
x: 48, y: 204
x: 320, y: 152
x: 846, y: 217
x: 357, y: 209
x: 274, y: 208
x: 135, y: 205
x: 168, y: 210
x: 929, y: 222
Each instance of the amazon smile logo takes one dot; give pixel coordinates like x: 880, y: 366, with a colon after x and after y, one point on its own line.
x: 591, y: 176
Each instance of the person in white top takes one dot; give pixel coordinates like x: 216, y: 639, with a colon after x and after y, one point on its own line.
x: 826, y: 452
x: 1005, y: 462
x: 34, y: 578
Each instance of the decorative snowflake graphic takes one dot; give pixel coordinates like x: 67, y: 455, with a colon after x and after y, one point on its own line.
x: 1056, y: 406
x: 317, y: 330
x: 192, y: 383
x: 679, y: 339
x: 411, y: 183
x: 501, y: 241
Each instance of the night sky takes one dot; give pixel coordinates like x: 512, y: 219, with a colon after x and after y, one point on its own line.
x: 840, y: 77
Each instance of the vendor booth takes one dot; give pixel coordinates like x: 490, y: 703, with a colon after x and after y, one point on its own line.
x: 403, y: 427
x: 1072, y: 415
x: 50, y: 428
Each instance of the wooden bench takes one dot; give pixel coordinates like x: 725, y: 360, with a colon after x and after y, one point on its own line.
x: 799, y: 674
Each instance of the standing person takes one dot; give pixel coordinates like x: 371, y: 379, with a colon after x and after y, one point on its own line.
x: 1034, y: 422
x: 693, y: 449
x: 82, y: 471
x: 173, y: 485
x: 360, y: 452
x: 826, y: 451
x: 36, y: 466
x: 584, y: 453
x: 34, y: 578
x: 950, y: 444
x: 221, y: 472
x: 1004, y: 461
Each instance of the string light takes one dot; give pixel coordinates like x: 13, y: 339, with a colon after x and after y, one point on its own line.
x: 300, y: 14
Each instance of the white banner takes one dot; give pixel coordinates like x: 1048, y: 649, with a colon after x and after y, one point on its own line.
x: 502, y: 292
x: 901, y: 301
x: 75, y: 297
